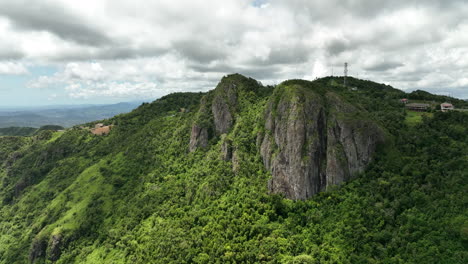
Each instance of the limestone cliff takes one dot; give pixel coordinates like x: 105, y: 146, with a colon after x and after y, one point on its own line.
x: 314, y: 140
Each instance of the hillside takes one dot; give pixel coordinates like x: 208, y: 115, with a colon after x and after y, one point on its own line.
x: 27, y: 131
x: 17, y: 131
x: 303, y: 172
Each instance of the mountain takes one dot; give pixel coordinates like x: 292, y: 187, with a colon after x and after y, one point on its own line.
x: 27, y: 131
x: 66, y: 116
x: 301, y: 172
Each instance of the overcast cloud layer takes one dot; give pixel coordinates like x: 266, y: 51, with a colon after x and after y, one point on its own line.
x: 128, y: 49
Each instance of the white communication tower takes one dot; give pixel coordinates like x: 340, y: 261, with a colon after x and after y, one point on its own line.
x: 345, y: 73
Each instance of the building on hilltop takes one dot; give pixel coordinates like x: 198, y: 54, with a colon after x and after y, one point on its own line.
x: 404, y: 100
x: 445, y: 107
x: 417, y: 107
x: 104, y: 130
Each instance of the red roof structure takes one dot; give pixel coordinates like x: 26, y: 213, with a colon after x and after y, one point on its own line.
x: 444, y: 107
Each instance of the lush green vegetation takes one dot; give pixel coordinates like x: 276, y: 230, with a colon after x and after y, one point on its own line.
x: 425, y: 96
x: 10, y: 145
x: 27, y: 131
x: 51, y: 127
x: 17, y: 131
x: 414, y: 118
x: 138, y: 196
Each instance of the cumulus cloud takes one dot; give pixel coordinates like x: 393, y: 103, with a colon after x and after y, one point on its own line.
x: 126, y: 79
x: 143, y: 48
x: 12, y: 68
x: 53, y: 17
x: 382, y: 65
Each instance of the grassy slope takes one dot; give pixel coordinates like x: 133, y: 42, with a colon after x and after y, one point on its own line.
x: 414, y: 118
x: 137, y: 196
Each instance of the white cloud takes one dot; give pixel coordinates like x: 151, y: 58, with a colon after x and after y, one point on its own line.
x: 12, y: 68
x: 112, y: 89
x: 122, y: 47
x: 131, y: 78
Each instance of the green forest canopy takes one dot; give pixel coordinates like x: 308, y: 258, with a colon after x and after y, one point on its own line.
x: 138, y: 196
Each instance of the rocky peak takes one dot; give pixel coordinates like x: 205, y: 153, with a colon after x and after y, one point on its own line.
x: 218, y: 108
x: 293, y: 148
x: 223, y: 106
x: 313, y: 141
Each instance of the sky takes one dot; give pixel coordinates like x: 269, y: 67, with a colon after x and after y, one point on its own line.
x: 107, y: 51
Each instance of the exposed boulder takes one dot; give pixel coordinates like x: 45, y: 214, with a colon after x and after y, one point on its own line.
x: 198, y: 138
x: 226, y: 149
x: 55, y: 247
x: 314, y: 141
x: 235, y: 161
x: 38, y: 248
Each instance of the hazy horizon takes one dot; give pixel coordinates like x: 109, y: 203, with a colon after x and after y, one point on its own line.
x: 71, y: 105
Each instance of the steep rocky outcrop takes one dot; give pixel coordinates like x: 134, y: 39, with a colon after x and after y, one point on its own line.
x: 352, y: 141
x: 43, y: 246
x: 198, y: 138
x: 293, y: 148
x: 226, y: 149
x: 54, y: 247
x: 218, y: 108
x: 313, y: 141
x: 223, y: 106
x: 38, y: 248
x: 312, y: 138
x: 201, y: 128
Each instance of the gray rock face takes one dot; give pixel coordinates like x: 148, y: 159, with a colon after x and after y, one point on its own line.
x: 199, y: 134
x: 38, y: 249
x: 235, y: 162
x: 226, y: 150
x: 54, y: 247
x: 351, y: 142
x: 198, y: 138
x: 224, y: 101
x: 309, y: 147
x: 295, y: 149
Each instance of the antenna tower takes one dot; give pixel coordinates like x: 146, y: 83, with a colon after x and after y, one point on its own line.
x: 345, y: 73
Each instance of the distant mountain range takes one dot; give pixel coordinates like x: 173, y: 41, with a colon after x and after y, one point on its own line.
x: 66, y: 115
